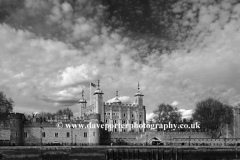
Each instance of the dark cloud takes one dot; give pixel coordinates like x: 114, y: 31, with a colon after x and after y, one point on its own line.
x: 179, y: 50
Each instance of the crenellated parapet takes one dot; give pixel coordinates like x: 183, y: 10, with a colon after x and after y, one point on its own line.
x: 94, y: 116
x: 123, y: 105
x: 16, y: 116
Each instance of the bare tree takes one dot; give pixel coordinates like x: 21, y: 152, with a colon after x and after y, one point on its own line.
x: 68, y: 112
x: 166, y: 113
x: 6, y: 104
x: 213, y: 116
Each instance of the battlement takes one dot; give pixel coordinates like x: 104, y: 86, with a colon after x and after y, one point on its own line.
x: 16, y: 116
x: 122, y: 105
x: 124, y: 133
x: 92, y: 116
x: 174, y: 133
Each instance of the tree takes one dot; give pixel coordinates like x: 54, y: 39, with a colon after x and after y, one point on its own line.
x: 213, y: 116
x: 6, y: 104
x: 67, y: 112
x: 166, y: 113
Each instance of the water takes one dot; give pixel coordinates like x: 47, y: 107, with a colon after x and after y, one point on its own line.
x: 118, y: 153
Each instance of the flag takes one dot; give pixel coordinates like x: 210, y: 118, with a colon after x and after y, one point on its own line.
x: 93, y: 85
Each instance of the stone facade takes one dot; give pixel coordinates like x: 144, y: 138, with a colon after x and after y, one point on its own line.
x: 15, y: 130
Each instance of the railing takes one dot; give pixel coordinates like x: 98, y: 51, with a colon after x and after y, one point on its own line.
x: 171, y: 154
x: 147, y: 154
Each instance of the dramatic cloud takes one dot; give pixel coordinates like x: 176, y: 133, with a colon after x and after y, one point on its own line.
x: 180, y: 52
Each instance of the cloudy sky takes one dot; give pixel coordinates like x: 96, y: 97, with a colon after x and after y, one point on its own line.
x: 180, y: 51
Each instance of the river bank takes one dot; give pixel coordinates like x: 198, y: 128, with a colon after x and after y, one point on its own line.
x: 118, y: 152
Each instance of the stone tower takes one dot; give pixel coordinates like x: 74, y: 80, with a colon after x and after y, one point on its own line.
x: 83, y: 104
x: 94, y: 131
x: 138, y: 97
x: 16, y: 128
x: 236, y: 122
x: 98, y: 101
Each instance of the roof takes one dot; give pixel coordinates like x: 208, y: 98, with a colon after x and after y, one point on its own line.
x: 82, y: 100
x: 138, y: 94
x: 116, y: 100
x: 98, y: 91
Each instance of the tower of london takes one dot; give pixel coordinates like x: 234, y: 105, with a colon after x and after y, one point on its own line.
x: 116, y: 112
x: 16, y: 129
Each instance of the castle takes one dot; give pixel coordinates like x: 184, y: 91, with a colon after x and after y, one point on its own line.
x: 15, y: 129
x: 116, y: 112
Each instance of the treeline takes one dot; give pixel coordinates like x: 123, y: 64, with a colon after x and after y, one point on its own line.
x: 61, y: 114
x: 215, y: 117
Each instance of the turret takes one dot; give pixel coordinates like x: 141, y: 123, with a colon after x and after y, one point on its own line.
x: 138, y: 97
x: 83, y: 104
x: 16, y: 128
x: 94, y: 131
x: 98, y: 100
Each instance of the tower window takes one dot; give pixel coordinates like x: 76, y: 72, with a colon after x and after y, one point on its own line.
x: 85, y: 134
x: 115, y: 121
x: 56, y: 134
x: 106, y: 121
x: 132, y: 115
x: 140, y: 116
x: 124, y: 115
x: 123, y: 121
x: 94, y: 133
x: 68, y: 134
x: 16, y: 134
x: 140, y: 122
x: 25, y: 134
x: 43, y: 134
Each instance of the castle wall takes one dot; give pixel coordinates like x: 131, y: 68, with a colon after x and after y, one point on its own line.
x: 65, y: 136
x: 143, y: 138
x: 59, y: 133
x: 16, y: 128
x: 236, y: 122
x: 5, y: 134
